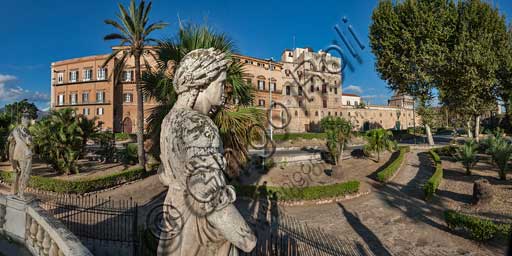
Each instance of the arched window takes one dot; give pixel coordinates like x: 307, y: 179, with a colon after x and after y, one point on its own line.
x: 300, y: 90
x: 288, y: 90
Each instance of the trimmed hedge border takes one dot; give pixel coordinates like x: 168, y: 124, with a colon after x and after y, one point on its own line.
x: 433, y: 183
x: 81, y: 186
x: 298, y: 193
x: 478, y: 229
x: 292, y: 136
x: 388, y: 172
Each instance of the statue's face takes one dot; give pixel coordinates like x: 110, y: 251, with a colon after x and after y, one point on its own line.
x: 212, y: 96
x: 25, y: 121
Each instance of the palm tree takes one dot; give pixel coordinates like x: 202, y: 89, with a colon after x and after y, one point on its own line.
x: 133, y: 33
x: 233, y: 121
x: 379, y: 140
x: 338, y: 131
x: 467, y: 155
x: 90, y: 128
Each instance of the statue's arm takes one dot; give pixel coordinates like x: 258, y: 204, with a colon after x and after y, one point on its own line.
x: 233, y: 227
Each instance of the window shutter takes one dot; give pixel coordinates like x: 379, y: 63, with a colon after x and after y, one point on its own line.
x: 105, y: 74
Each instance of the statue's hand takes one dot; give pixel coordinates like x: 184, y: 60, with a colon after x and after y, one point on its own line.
x: 232, y: 226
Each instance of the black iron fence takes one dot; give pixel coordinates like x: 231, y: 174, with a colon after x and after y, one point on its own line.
x: 99, y: 220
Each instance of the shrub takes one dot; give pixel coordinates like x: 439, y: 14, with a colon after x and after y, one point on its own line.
x: 122, y: 136
x: 129, y: 154
x: 478, y: 229
x: 448, y: 151
x: 300, y: 193
x: 81, y: 186
x: 388, y: 172
x: 433, y: 183
x: 293, y: 136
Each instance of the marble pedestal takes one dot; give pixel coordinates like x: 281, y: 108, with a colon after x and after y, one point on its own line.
x: 16, y: 217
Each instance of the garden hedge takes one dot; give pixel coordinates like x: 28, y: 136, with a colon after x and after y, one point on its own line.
x: 300, y: 193
x: 81, y: 186
x: 433, y: 183
x: 292, y: 136
x: 448, y: 151
x: 388, y: 172
x: 478, y: 229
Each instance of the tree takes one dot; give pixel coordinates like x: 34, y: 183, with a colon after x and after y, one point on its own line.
x: 409, y: 40
x: 133, y: 33
x: 467, y: 155
x: 379, y: 140
x: 504, y: 77
x: 90, y: 128
x: 15, y: 110
x: 234, y: 120
x: 58, y: 139
x: 338, y: 132
x: 501, y: 157
x: 468, y: 78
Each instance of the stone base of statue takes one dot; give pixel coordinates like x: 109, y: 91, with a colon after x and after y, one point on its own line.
x: 14, y: 211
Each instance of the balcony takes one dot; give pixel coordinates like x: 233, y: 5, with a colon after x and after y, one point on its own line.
x: 80, y: 82
x: 105, y: 102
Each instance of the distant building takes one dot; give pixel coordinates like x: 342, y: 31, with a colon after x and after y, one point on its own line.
x: 307, y: 83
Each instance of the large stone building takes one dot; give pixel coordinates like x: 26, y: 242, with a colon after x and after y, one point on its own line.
x: 304, y: 86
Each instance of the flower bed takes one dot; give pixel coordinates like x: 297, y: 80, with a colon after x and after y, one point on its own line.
x: 392, y: 168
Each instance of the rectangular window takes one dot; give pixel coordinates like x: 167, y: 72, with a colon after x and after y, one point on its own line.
x: 87, y: 75
x: 324, y: 103
x: 73, y: 76
x: 72, y: 98
x: 85, y: 111
x: 85, y: 97
x: 100, y: 97
x: 60, y: 77
x: 356, y: 103
x: 335, y: 90
x: 128, y: 75
x: 61, y: 99
x: 300, y: 90
x: 348, y: 102
x: 261, y: 85
x: 101, y: 74
x: 99, y: 111
x: 261, y: 103
x: 128, y: 97
x: 273, y: 87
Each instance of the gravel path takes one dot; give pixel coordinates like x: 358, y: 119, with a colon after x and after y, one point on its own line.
x: 394, y: 219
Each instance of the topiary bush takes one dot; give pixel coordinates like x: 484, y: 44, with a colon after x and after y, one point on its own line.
x: 122, y: 136
x: 478, y: 229
x: 292, y: 136
x: 300, y: 193
x: 433, y: 183
x: 390, y: 170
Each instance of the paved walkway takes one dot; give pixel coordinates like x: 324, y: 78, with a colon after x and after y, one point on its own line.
x: 394, y: 219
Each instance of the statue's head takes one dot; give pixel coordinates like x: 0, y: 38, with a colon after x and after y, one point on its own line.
x: 25, y: 119
x: 200, y: 77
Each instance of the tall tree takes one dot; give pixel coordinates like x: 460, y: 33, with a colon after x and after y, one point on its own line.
x: 504, y: 77
x: 133, y: 34
x: 409, y: 40
x: 469, y: 76
x: 15, y: 110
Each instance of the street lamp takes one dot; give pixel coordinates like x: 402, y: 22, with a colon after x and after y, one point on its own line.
x: 270, y: 69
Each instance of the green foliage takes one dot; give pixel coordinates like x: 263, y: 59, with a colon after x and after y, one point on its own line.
x: 15, y: 110
x: 294, y: 136
x: 467, y: 155
x: 478, y: 229
x: 129, y: 153
x: 448, y: 151
x: 81, y: 186
x: 122, y: 136
x: 59, y: 139
x: 379, y: 140
x: 389, y: 171
x: 300, y: 193
x: 501, y: 153
x: 107, y: 146
x: 338, y: 133
x: 433, y: 183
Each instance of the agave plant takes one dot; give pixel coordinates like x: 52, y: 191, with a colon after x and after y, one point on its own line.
x: 233, y: 122
x: 467, y: 155
x: 379, y: 140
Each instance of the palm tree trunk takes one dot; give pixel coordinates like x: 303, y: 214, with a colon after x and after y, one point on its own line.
x: 468, y: 170
x: 140, y: 113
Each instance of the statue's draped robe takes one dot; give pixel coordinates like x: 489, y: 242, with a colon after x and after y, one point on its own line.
x: 193, y: 164
x: 20, y: 156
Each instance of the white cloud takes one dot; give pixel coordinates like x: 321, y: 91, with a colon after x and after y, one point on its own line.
x: 10, y: 93
x: 354, y: 88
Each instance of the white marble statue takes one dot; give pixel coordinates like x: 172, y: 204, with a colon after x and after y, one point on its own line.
x: 20, y: 156
x: 199, y: 216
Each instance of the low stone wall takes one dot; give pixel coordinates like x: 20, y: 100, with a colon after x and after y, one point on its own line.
x: 27, y: 223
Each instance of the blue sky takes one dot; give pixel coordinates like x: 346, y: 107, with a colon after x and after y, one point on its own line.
x: 35, y: 33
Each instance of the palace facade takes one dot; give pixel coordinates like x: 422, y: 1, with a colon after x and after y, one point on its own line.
x: 304, y: 86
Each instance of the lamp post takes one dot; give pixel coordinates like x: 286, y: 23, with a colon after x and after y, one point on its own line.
x: 270, y: 69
